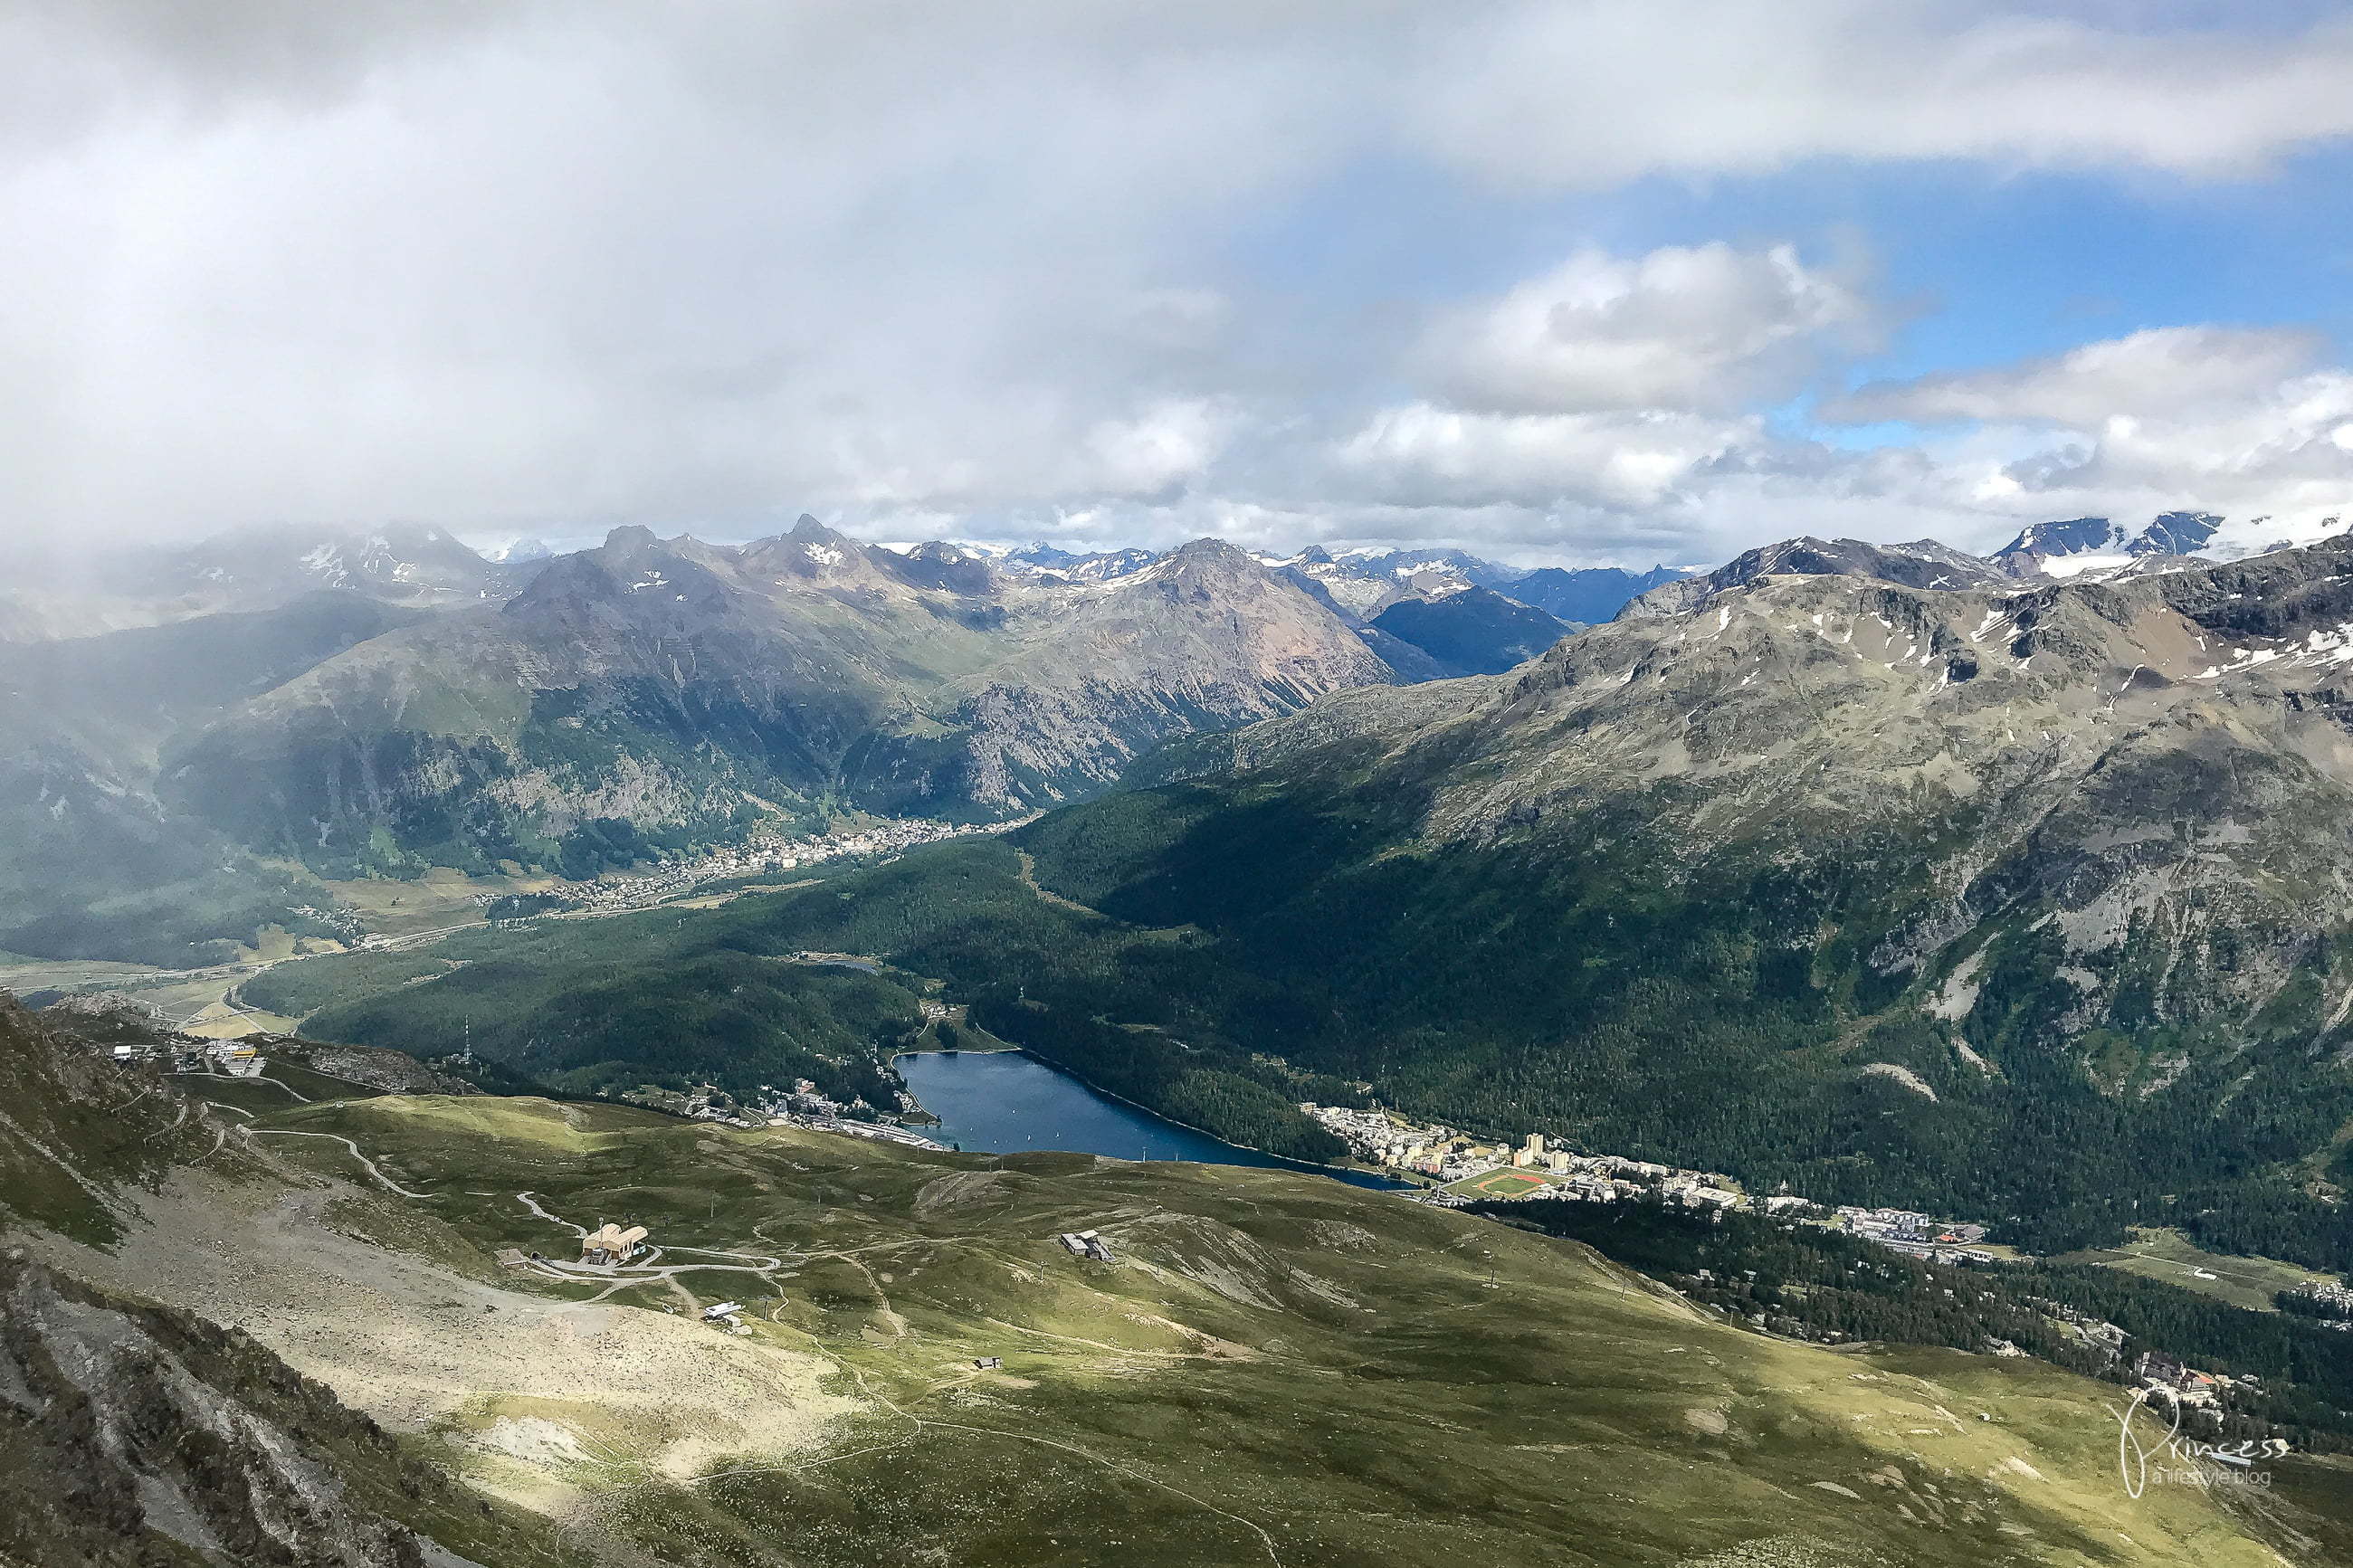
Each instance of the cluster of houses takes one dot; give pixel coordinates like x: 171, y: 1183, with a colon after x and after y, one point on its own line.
x: 1450, y: 1158
x: 2326, y: 1301
x: 1917, y: 1235
x: 805, y: 1107
x: 2179, y: 1384
x: 188, y: 1053
x: 2093, y: 1334
x: 342, y: 919
x: 1446, y: 1155
x: 757, y: 857
x: 880, y: 1132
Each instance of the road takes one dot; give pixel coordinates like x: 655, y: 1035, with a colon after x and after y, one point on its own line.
x: 337, y: 1137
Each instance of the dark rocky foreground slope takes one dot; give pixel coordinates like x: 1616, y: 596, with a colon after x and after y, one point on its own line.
x: 135, y: 1433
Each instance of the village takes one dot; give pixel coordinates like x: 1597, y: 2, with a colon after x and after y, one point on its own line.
x: 188, y: 1054
x: 1462, y: 1170
x: 2327, y: 1304
x: 802, y: 1106
x: 752, y: 857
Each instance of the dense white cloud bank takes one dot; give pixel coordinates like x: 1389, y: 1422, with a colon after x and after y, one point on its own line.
x: 2236, y: 421
x: 1707, y: 327
x: 526, y: 267
x: 1595, y: 94
x: 2165, y: 372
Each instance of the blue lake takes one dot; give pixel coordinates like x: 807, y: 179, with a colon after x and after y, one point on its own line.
x: 998, y: 1101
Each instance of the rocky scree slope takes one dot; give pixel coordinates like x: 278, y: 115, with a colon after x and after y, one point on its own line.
x: 137, y: 1433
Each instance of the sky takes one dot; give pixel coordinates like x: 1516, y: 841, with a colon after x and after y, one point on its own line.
x: 1573, y: 281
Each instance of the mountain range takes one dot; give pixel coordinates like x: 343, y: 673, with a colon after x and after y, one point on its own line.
x: 2014, y: 888
x: 198, y: 734
x: 2030, y: 903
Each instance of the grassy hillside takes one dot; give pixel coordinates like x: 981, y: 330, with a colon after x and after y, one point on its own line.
x: 1269, y: 1367
x: 1274, y: 1368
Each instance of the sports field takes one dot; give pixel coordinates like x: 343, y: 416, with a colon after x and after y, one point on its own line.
x: 1499, y: 1184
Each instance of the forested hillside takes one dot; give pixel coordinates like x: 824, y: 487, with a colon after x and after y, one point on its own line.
x: 2031, y: 906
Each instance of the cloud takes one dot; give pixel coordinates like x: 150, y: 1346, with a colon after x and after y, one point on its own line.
x: 707, y: 266
x: 518, y: 265
x: 2237, y: 420
x: 1699, y: 328
x: 1425, y: 454
x: 2166, y: 371
x: 2286, y: 450
x: 1597, y: 95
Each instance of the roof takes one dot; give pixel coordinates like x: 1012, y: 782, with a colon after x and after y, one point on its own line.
x: 611, y: 1238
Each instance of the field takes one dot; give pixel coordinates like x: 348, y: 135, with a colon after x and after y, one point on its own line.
x: 20, y: 973
x: 439, y: 897
x: 1498, y: 1184
x: 2168, y: 1255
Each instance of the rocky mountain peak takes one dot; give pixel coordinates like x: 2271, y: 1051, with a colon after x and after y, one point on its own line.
x: 810, y: 552
x: 1202, y: 567
x: 2175, y: 533
x: 2074, y: 539
x: 941, y: 566
x: 1212, y: 549
x: 1928, y: 564
x: 2065, y: 536
x: 633, y: 537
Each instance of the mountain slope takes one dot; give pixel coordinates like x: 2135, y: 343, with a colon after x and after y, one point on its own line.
x: 58, y: 592
x: 1472, y: 631
x: 916, y: 1347
x: 1204, y: 639
x: 2063, y: 548
x: 2043, y: 550
x: 1922, y: 563
x: 657, y: 692
x: 133, y: 1432
x: 1587, y: 595
x: 95, y: 858
x: 2076, y: 857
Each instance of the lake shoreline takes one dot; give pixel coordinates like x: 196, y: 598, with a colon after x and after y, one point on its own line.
x: 1356, y: 1177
